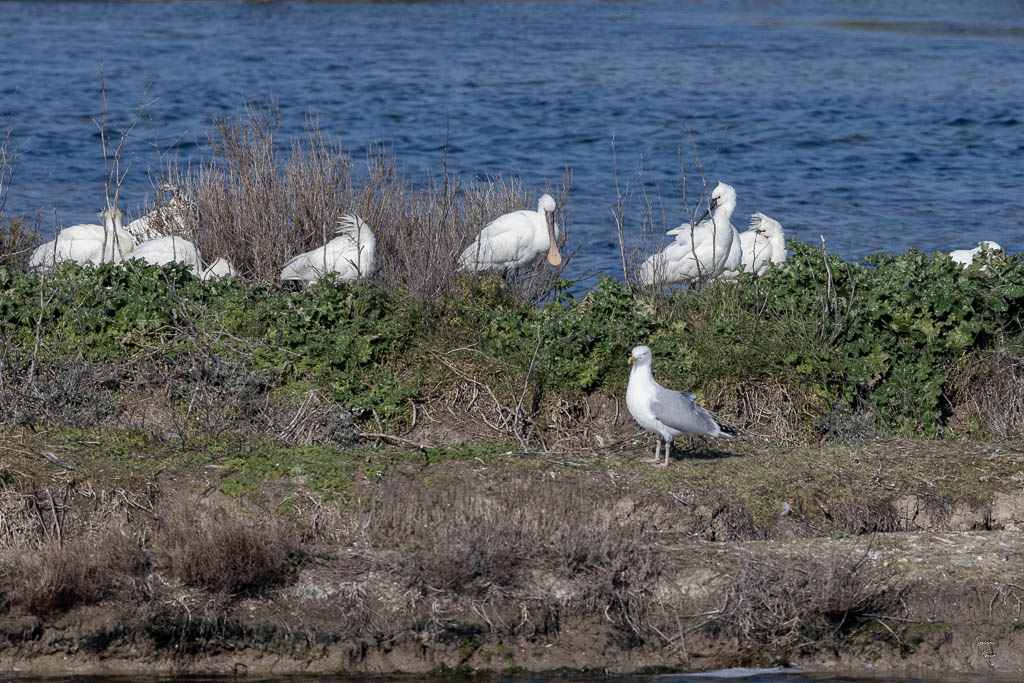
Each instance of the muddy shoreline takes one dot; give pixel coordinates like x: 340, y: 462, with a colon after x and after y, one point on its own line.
x: 970, y: 623
x: 504, y: 563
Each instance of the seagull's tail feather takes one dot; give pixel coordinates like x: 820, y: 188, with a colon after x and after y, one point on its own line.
x: 729, y: 432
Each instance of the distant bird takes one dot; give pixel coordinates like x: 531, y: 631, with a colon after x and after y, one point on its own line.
x: 85, y: 243
x: 349, y: 256
x: 965, y: 257
x: 164, y: 220
x: 761, y: 245
x: 700, y: 252
x: 515, y: 239
x: 163, y: 250
x: 218, y: 269
x: 663, y: 411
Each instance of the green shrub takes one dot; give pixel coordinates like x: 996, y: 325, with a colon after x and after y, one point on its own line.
x: 888, y: 334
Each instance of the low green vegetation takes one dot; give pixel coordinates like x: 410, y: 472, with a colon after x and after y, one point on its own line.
x: 892, y: 344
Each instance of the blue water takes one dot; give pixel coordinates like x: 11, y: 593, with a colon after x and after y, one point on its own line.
x: 882, y: 125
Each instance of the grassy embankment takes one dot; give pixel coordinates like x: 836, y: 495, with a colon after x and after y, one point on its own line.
x: 429, y: 469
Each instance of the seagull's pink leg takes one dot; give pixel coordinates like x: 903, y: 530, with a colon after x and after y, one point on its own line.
x: 657, y: 453
x: 668, y: 449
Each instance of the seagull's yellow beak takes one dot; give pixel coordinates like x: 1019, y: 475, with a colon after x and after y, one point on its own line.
x: 632, y: 358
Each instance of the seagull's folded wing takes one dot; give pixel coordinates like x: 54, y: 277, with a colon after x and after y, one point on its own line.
x: 678, y: 411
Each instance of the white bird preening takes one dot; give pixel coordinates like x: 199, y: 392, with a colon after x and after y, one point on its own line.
x: 700, y: 252
x: 663, y: 411
x: 163, y: 250
x: 163, y: 220
x: 965, y: 257
x: 515, y: 239
x: 85, y: 243
x: 763, y: 244
x: 349, y: 256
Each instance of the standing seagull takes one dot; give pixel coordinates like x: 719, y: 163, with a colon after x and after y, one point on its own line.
x: 762, y: 245
x: 665, y: 412
x: 515, y: 239
x: 350, y: 255
x: 701, y: 252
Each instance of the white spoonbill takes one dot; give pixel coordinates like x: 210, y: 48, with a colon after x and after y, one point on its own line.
x: 162, y: 250
x: 163, y: 220
x: 761, y: 246
x: 350, y: 255
x: 663, y: 411
x: 85, y: 243
x: 965, y: 257
x: 515, y: 239
x: 700, y: 252
x: 218, y: 269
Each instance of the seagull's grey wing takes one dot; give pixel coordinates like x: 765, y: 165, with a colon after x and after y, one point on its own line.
x: 678, y: 411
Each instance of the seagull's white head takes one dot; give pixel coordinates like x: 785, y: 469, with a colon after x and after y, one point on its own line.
x: 640, y: 354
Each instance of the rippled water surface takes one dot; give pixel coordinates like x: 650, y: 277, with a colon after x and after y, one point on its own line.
x: 882, y: 125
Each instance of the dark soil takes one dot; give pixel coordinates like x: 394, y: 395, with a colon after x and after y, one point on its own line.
x: 124, y: 553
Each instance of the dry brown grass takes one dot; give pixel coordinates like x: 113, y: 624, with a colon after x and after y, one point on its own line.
x: 55, y: 579
x: 17, y: 241
x: 989, y: 392
x: 459, y: 537
x: 791, y: 602
x: 60, y: 547
x: 764, y: 409
x: 258, y: 206
x: 17, y: 237
x: 57, y: 576
x: 222, y: 549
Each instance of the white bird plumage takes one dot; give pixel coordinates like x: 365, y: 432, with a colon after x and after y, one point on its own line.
x: 515, y: 239
x: 763, y: 244
x: 700, y: 252
x: 163, y: 250
x: 965, y: 257
x: 163, y: 220
x: 349, y: 256
x: 218, y: 268
x: 85, y: 243
x: 663, y: 411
